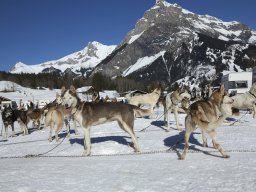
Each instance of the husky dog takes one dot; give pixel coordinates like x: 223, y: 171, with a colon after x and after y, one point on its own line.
x: 146, y: 99
x: 172, y: 101
x: 57, y: 115
x: 246, y: 100
x: 208, y: 115
x: 8, y: 120
x: 35, y: 115
x: 9, y: 116
x: 89, y: 114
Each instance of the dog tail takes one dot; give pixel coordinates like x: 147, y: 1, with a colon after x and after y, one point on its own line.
x: 138, y: 112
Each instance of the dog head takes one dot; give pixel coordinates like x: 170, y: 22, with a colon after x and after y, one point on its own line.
x: 182, y: 93
x: 7, y: 112
x: 69, y: 97
x: 8, y: 116
x: 218, y: 95
x: 185, y: 103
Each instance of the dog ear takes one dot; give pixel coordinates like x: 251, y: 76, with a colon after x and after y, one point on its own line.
x: 57, y: 94
x: 63, y: 89
x: 73, y: 89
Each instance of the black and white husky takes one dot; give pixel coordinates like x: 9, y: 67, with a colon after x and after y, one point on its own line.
x: 9, y: 116
x: 89, y: 114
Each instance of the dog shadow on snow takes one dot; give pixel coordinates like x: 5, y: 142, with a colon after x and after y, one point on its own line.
x: 119, y: 139
x: 161, y: 124
x: 176, y: 143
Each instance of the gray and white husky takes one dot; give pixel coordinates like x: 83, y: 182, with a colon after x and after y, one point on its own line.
x: 172, y: 101
x: 89, y: 114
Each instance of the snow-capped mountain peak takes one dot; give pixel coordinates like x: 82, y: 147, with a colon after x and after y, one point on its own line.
x: 163, y: 12
x: 86, y: 58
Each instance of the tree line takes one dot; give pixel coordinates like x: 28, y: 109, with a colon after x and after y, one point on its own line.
x: 55, y: 81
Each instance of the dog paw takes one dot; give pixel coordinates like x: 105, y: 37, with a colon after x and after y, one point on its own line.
x: 181, y: 157
x: 205, y: 145
x: 85, y: 153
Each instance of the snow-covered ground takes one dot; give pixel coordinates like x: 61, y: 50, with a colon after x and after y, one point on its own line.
x: 113, y: 165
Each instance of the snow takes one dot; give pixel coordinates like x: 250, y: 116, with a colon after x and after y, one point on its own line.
x: 252, y: 39
x: 26, y: 94
x: 142, y: 62
x: 65, y: 170
x: 135, y: 37
x: 221, y: 37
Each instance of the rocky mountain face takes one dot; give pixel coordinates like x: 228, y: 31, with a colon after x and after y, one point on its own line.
x: 81, y: 62
x: 170, y: 43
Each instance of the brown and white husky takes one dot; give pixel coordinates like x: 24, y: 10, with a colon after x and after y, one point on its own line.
x: 208, y: 115
x: 57, y: 115
x: 89, y: 114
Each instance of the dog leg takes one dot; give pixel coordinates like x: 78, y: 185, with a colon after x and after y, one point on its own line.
x: 217, y: 146
x: 167, y: 119
x: 25, y: 129
x: 254, y: 111
x: 75, y: 127
x: 187, y: 136
x: 13, y: 132
x: 204, y: 139
x: 175, y: 111
x: 190, y: 127
x: 51, y: 127
x: 129, y: 129
x: 67, y: 125
x: 39, y: 124
x: 6, y: 131
x: 59, y: 126
x: 87, y: 142
x: 152, y: 112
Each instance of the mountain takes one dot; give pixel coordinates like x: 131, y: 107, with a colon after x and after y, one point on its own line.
x: 80, y: 62
x: 167, y: 44
x: 170, y: 43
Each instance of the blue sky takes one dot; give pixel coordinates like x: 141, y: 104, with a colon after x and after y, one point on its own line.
x: 35, y: 31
